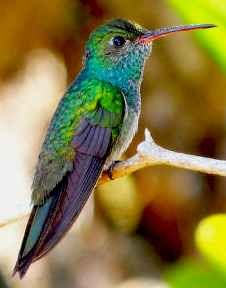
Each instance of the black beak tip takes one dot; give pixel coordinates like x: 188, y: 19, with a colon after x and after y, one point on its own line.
x: 210, y: 26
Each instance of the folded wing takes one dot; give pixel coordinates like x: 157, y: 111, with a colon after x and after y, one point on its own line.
x: 49, y: 222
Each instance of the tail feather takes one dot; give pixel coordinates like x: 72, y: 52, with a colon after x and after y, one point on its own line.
x: 71, y: 209
x: 31, y: 240
x: 49, y: 222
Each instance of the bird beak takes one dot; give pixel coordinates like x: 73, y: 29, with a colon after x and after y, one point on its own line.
x: 155, y: 34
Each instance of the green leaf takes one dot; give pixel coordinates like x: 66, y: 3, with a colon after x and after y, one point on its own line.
x: 192, y: 274
x: 209, y: 12
x: 211, y: 240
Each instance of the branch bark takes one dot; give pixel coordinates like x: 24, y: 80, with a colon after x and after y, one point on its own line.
x: 148, y: 154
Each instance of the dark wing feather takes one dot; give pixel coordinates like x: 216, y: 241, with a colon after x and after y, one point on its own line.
x: 69, y: 210
x: 90, y: 140
x: 49, y: 222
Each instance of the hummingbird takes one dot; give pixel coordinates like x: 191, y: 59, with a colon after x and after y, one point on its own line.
x: 94, y: 124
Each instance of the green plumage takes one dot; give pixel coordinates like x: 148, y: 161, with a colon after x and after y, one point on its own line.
x: 57, y: 155
x: 93, y: 125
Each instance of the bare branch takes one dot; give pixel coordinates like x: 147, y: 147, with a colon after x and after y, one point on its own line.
x: 149, y: 154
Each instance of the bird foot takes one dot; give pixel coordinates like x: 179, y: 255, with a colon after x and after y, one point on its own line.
x: 111, y: 167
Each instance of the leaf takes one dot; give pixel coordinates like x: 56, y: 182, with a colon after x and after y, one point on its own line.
x: 190, y: 273
x: 209, y: 12
x: 210, y: 239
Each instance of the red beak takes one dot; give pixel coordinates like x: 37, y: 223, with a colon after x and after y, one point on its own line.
x: 155, y: 34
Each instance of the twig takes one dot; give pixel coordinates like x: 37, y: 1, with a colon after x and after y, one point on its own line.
x: 149, y: 154
x: 20, y: 211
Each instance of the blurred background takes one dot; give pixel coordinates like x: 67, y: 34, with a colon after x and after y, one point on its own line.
x: 159, y: 227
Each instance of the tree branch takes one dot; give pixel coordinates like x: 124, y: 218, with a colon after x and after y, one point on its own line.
x: 149, y: 154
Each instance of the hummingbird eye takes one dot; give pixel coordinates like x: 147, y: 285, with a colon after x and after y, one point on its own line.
x: 118, y: 41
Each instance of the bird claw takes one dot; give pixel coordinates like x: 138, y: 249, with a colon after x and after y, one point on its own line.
x: 111, y: 167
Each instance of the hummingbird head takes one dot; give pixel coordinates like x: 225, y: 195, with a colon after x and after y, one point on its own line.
x: 114, y: 53
x: 117, y: 51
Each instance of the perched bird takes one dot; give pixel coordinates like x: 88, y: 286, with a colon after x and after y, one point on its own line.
x: 93, y: 125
